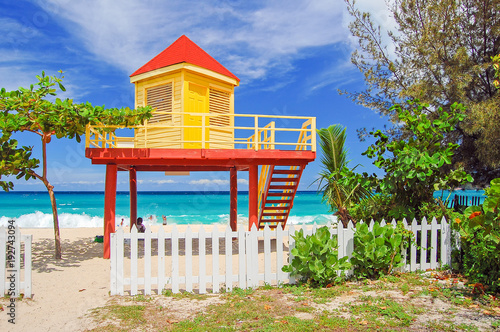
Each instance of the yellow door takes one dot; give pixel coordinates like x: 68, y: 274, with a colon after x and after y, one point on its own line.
x: 197, y: 102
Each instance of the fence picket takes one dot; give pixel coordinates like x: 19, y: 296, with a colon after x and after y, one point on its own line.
x: 202, y: 278
x: 215, y: 260
x: 175, y: 260
x: 279, y: 255
x: 161, y: 260
x: 147, y: 261
x: 133, y: 261
x: 445, y: 243
x: 113, y: 264
x: 413, y: 249
x: 267, y: 254
x: 229, y: 259
x: 242, y: 276
x: 423, y: 245
x: 291, y: 245
x: 120, y: 262
x: 188, y: 257
x: 434, y: 242
x: 349, y: 240
x: 339, y: 230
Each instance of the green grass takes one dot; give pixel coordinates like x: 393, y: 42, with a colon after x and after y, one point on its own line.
x: 301, y: 308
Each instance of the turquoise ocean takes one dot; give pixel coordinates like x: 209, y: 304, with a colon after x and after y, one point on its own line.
x: 86, y: 209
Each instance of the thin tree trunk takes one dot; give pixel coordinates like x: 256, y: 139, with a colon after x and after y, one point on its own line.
x: 50, y: 189
x: 57, y: 236
x: 345, y: 217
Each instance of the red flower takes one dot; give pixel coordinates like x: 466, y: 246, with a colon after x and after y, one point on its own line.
x: 475, y: 214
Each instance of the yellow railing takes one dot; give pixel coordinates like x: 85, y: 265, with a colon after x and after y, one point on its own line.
x: 303, y: 139
x: 244, y: 131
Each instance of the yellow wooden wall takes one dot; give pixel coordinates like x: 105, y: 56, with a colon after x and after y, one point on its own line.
x: 170, y: 138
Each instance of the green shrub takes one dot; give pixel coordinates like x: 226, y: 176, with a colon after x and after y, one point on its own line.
x: 316, y: 259
x: 480, y: 239
x: 378, y: 252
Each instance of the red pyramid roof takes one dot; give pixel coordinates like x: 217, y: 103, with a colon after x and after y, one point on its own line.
x: 184, y: 50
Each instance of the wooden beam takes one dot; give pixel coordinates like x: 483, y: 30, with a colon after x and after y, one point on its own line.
x: 233, y: 208
x: 109, y: 207
x: 253, y: 196
x: 133, y: 195
x: 198, y: 157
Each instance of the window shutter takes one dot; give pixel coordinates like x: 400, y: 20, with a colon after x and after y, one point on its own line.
x: 160, y: 99
x: 219, y: 104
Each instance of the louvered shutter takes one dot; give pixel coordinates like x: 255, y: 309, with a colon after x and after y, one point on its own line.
x: 160, y: 98
x: 219, y: 104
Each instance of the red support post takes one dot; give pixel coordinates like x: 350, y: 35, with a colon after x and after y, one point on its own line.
x: 109, y: 206
x: 233, y: 209
x: 253, y: 196
x: 133, y: 195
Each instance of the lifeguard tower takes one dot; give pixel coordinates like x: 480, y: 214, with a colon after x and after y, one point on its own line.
x: 194, y: 128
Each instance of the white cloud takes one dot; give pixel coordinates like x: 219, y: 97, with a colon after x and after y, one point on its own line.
x: 249, y: 39
x: 243, y: 181
x: 156, y: 181
x: 209, y: 182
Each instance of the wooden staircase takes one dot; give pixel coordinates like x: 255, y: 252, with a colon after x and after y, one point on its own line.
x: 278, y: 195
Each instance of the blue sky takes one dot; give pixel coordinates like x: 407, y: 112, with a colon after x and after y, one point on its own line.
x: 291, y: 57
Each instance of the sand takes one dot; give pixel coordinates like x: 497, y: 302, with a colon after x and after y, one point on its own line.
x: 64, y: 290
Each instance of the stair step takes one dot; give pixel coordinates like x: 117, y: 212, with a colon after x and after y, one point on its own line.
x: 271, y: 187
x: 284, y: 179
x: 274, y: 208
x: 272, y: 220
x: 280, y: 194
x: 278, y: 201
x: 277, y: 214
x: 286, y: 171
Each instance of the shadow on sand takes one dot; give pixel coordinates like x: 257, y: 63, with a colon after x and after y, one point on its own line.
x: 73, y: 254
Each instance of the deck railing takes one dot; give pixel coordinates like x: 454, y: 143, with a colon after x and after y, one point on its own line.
x: 244, y: 131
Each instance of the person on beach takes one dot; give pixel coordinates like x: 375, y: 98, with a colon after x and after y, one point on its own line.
x: 164, y: 219
x: 140, y: 226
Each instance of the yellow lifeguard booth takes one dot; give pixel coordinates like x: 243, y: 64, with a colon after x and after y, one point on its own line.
x: 194, y: 128
x: 190, y: 91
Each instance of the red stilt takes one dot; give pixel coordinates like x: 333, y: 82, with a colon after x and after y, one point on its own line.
x: 133, y: 196
x: 233, y: 209
x: 253, y: 194
x: 109, y: 206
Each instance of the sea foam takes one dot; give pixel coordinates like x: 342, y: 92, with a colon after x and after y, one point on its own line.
x: 66, y: 220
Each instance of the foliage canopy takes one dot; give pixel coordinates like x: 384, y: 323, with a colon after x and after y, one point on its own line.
x: 31, y: 110
x: 340, y: 185
x: 415, y: 167
x: 439, y: 52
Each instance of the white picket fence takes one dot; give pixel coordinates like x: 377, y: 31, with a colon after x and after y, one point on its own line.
x: 214, y: 260
x: 15, y: 262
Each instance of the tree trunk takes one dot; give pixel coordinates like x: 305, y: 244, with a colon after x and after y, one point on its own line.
x: 50, y: 188
x: 344, y: 216
x: 57, y: 237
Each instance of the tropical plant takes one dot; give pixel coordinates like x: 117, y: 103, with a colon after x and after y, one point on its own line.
x: 438, y: 51
x: 340, y: 185
x: 30, y: 110
x: 417, y: 166
x: 479, y: 230
x: 378, y: 252
x: 315, y: 258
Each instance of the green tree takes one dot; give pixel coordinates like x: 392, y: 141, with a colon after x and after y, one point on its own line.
x: 440, y: 53
x: 29, y: 110
x: 340, y: 185
x: 415, y: 167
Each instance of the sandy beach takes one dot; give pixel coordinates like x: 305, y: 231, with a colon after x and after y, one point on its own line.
x: 65, y: 290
